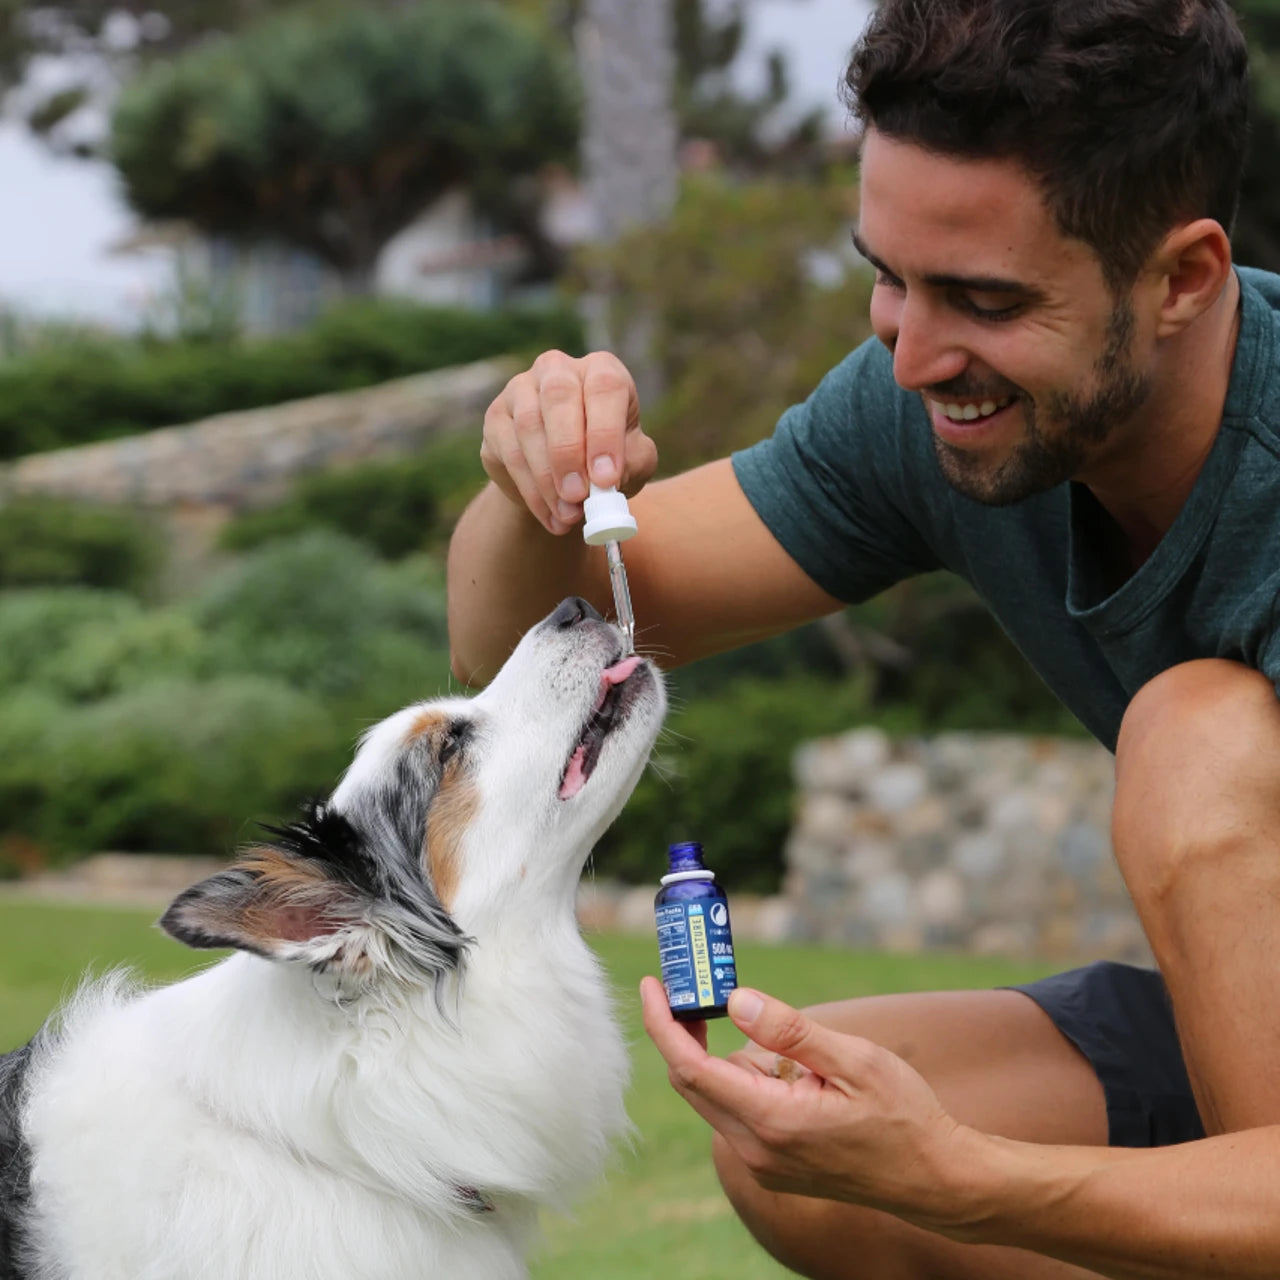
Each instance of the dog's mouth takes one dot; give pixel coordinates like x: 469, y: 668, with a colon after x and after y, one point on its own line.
x: 607, y: 714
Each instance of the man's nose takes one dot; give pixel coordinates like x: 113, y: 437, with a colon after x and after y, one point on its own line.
x: 923, y: 353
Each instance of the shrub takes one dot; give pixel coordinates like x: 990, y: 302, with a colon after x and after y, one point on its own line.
x: 396, y: 507
x: 722, y: 775
x: 94, y: 389
x: 37, y: 627
x: 321, y: 613
x: 50, y: 541
x: 172, y: 766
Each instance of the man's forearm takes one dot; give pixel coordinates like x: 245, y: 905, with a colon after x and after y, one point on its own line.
x: 1201, y: 1209
x: 505, y: 573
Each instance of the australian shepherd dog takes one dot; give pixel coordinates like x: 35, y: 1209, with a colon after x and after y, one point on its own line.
x: 411, y: 1050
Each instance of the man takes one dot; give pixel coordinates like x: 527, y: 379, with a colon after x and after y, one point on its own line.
x: 1074, y: 403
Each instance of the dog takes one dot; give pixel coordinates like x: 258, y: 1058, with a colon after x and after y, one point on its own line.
x: 411, y: 1050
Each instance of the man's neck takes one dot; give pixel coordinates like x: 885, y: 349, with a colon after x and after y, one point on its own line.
x: 1146, y: 482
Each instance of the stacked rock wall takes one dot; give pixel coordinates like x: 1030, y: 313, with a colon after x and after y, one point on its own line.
x: 246, y: 459
x: 987, y: 843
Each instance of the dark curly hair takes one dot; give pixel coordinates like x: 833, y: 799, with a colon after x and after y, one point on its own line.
x: 1132, y: 114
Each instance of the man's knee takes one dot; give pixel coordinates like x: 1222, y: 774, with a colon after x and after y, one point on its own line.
x: 804, y: 1235
x: 1197, y: 767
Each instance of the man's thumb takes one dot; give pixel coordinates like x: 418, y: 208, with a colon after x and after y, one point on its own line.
x: 776, y: 1026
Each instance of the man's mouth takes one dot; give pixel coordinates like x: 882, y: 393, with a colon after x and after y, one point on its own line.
x: 969, y: 410
x: 603, y: 718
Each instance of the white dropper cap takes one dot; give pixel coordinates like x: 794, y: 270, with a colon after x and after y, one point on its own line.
x: 608, y: 518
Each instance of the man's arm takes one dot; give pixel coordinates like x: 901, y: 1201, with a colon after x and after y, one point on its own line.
x: 705, y: 574
x: 856, y: 1123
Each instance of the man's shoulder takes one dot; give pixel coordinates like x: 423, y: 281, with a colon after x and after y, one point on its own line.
x: 1266, y: 283
x: 1252, y: 395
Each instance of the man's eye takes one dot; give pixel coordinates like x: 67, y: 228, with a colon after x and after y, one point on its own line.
x: 970, y: 303
x: 885, y: 280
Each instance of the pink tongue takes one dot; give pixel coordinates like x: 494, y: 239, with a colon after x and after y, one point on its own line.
x: 617, y: 674
x: 574, y: 778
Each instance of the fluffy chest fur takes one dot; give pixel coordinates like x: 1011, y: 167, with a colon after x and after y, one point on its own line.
x: 412, y: 1050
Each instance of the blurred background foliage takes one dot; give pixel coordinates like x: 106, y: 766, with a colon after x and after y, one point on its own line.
x: 142, y: 715
x: 77, y: 387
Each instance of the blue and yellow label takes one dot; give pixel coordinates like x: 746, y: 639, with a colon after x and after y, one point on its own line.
x: 695, y: 946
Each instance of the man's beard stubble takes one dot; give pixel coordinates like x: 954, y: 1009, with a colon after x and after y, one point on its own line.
x: 1042, y: 462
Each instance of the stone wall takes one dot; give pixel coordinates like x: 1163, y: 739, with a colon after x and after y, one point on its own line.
x: 248, y: 459
x: 985, y: 843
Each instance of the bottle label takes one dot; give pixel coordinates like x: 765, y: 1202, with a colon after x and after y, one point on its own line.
x: 695, y: 945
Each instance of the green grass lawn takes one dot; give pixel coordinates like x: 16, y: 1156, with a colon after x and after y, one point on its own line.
x: 660, y: 1213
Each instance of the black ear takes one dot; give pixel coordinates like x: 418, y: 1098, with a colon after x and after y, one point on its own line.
x: 317, y: 894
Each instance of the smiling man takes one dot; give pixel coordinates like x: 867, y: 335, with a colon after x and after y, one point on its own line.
x: 1073, y: 402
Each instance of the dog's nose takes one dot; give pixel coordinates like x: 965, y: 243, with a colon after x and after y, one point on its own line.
x: 568, y: 613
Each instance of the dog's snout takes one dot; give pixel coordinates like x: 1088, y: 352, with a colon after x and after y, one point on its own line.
x: 569, y: 613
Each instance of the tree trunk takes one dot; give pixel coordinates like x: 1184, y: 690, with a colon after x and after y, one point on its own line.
x: 626, y: 54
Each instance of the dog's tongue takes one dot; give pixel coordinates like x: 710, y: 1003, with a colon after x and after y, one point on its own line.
x: 620, y: 671
x: 574, y: 778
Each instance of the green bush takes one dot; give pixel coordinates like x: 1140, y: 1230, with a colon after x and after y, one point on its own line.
x: 722, y: 775
x: 396, y: 507
x: 323, y: 614
x: 170, y: 767
x: 81, y: 646
x: 53, y: 542
x: 171, y: 729
x: 77, y: 392
x: 37, y: 627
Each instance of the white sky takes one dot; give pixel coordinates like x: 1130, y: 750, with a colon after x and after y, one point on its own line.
x: 59, y: 217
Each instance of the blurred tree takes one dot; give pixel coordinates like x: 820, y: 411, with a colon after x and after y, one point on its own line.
x: 333, y: 129
x: 1256, y: 237
x: 742, y: 127
x: 629, y: 154
x: 95, y: 43
x: 754, y: 294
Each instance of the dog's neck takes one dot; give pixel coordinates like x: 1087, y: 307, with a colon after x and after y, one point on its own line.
x: 425, y: 1091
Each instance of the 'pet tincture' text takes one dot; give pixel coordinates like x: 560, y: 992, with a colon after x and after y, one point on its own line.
x: 695, y: 940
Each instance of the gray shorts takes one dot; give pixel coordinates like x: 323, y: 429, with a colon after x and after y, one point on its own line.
x: 1120, y: 1018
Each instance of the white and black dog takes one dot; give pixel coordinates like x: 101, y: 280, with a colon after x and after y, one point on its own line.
x: 411, y: 1051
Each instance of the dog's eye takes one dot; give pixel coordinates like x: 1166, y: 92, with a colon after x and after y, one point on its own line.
x: 454, y: 740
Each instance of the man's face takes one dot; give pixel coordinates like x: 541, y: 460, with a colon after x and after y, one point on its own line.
x: 1007, y: 328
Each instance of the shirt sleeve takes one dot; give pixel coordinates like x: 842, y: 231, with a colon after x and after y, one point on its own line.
x: 842, y: 483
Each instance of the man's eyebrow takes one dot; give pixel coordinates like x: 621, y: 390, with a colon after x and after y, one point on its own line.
x: 938, y: 280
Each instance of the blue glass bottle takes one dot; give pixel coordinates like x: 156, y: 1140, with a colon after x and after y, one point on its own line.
x: 695, y: 940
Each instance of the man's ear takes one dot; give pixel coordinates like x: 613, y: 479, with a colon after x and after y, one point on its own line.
x: 1192, y: 266
x: 318, y: 894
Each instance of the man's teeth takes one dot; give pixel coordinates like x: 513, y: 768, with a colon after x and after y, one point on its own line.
x: 968, y: 412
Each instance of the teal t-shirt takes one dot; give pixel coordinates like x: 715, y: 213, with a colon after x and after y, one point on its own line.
x: 850, y: 486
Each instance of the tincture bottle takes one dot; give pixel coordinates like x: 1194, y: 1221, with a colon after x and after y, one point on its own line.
x: 695, y: 942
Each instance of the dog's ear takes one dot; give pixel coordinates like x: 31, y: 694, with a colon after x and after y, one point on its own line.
x: 316, y: 894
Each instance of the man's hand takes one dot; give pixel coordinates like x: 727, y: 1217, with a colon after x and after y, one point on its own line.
x: 812, y: 1112
x: 561, y: 424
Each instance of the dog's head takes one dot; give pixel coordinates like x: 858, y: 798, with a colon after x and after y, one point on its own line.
x: 455, y: 816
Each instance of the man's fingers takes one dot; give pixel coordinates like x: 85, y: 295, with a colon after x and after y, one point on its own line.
x: 609, y: 395
x: 689, y: 1066
x: 774, y: 1025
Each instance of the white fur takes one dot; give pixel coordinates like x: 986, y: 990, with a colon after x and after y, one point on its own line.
x: 263, y: 1121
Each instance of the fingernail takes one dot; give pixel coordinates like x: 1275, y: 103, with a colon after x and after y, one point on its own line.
x: 573, y: 488
x: 567, y: 511
x: 603, y: 472
x: 745, y: 1004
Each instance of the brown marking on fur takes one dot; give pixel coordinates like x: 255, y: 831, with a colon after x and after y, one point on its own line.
x: 291, y: 901
x: 452, y: 811
x: 430, y: 724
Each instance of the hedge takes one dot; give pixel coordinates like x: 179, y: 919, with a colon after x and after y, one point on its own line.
x: 76, y: 392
